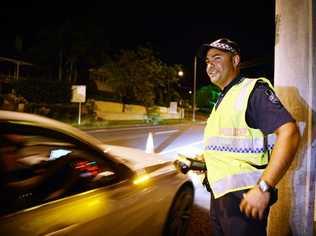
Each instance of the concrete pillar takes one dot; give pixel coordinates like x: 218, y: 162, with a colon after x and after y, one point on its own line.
x: 295, y: 83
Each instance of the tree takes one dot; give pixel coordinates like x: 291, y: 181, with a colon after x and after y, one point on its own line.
x: 170, y: 85
x: 140, y: 76
x: 39, y: 90
x: 206, y: 97
x: 69, y: 50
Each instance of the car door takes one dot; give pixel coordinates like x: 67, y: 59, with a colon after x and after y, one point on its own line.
x: 61, y: 186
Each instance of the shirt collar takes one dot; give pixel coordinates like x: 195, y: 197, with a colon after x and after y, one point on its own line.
x: 237, y: 80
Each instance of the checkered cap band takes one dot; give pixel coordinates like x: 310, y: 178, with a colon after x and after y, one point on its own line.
x: 223, y: 46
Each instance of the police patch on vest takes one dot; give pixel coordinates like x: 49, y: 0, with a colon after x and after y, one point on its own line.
x: 271, y: 96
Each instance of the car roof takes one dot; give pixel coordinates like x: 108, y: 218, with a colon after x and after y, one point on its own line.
x: 40, y: 121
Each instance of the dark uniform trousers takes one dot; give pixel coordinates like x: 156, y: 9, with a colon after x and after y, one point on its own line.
x: 227, y: 219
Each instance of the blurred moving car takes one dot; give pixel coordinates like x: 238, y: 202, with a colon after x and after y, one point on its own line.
x: 58, y: 180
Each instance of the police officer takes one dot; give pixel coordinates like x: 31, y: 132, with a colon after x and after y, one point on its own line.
x: 250, y: 142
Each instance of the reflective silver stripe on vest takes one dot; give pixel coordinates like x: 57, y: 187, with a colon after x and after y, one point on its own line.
x: 242, y: 95
x: 239, y: 145
x: 234, y: 182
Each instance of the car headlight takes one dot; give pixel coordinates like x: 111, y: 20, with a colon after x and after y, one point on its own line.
x: 141, y: 179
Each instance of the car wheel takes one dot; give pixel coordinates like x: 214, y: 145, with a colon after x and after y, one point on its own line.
x: 180, y: 213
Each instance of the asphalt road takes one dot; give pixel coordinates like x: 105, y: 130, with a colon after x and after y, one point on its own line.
x: 168, y: 141
x: 200, y: 219
x: 199, y: 225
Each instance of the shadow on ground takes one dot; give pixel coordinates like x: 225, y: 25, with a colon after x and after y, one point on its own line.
x: 200, y: 222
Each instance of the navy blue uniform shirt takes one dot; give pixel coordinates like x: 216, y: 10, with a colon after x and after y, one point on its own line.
x: 264, y: 110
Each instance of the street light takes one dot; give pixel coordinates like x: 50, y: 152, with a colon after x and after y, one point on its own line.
x: 180, y: 73
x: 194, y: 89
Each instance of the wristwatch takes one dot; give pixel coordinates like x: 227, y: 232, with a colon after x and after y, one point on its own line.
x: 264, y: 186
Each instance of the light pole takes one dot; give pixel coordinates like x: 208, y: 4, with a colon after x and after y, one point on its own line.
x: 180, y: 74
x: 194, y: 89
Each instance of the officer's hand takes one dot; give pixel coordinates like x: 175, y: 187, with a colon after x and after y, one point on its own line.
x: 182, y: 164
x: 254, y: 203
x: 199, y: 157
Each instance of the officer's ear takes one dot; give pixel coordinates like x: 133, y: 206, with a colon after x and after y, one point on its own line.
x: 236, y: 60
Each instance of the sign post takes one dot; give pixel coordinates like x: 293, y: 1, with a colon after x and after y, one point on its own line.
x: 173, y: 107
x: 79, y: 96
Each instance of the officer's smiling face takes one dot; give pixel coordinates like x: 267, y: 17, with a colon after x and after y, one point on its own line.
x: 221, y: 67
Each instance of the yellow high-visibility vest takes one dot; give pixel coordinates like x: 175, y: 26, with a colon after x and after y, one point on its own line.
x: 235, y: 154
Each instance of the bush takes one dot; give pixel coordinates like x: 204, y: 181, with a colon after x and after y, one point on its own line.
x: 153, y: 116
x: 40, y: 90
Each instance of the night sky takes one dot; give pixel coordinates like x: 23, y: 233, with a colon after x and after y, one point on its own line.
x: 174, y: 30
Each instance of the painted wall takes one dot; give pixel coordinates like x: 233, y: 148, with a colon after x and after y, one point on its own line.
x: 295, y: 84
x: 113, y: 111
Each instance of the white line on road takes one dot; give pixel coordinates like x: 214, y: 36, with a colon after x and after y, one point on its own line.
x: 129, y: 128
x: 112, y: 129
x: 166, y: 132
x: 181, y: 147
x: 133, y: 136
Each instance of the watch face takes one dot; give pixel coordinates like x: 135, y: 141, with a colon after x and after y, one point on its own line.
x: 264, y: 187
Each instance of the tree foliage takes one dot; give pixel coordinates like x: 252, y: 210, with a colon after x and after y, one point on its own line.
x: 69, y: 50
x: 140, y: 76
x: 40, y: 90
x: 206, y: 97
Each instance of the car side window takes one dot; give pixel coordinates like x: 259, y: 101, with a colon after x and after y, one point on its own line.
x: 38, y: 167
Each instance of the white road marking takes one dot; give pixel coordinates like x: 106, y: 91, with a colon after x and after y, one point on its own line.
x: 181, y: 147
x: 166, y: 132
